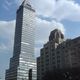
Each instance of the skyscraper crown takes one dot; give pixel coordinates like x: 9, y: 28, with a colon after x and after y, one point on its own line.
x: 26, y: 1
x: 26, y: 4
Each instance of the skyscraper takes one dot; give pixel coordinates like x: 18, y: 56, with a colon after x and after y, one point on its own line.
x: 23, y: 63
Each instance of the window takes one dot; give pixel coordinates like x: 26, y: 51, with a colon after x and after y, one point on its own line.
x: 53, y: 54
x: 53, y: 58
x: 58, y: 57
x: 58, y: 52
x: 58, y: 61
x: 54, y: 66
x: 58, y: 65
x: 53, y: 62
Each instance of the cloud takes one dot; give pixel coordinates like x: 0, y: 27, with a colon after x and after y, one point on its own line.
x: 7, y: 29
x: 43, y: 29
x: 9, y: 5
x: 58, y: 9
x: 6, y: 35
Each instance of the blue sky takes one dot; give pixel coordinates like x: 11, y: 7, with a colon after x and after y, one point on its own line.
x: 63, y: 14
x: 7, y: 9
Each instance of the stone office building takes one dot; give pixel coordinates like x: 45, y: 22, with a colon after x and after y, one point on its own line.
x: 58, y: 53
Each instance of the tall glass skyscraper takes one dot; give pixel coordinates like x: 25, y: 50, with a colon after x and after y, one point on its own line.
x: 23, y: 63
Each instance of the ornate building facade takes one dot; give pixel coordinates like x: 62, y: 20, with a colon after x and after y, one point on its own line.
x: 58, y: 54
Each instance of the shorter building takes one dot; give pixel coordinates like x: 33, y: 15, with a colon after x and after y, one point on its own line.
x: 58, y: 53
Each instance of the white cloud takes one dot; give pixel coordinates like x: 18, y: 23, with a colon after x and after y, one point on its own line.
x: 43, y: 29
x: 10, y: 5
x: 7, y: 29
x: 6, y: 35
x: 3, y: 47
x: 58, y: 9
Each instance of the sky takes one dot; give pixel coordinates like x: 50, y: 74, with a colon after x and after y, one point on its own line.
x: 50, y: 14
